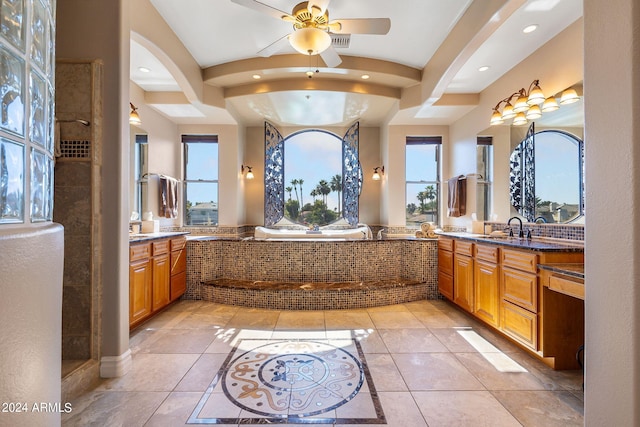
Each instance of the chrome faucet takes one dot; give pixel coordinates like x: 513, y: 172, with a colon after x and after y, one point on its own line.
x: 521, y: 232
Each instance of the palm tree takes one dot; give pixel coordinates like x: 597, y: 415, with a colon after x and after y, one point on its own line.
x: 336, y: 185
x: 325, y: 190
x: 422, y: 196
x: 300, y: 182
x: 430, y: 193
x: 314, y: 194
x: 294, y: 182
x: 288, y: 190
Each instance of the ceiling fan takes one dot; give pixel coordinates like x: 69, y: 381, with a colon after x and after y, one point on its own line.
x: 312, y: 28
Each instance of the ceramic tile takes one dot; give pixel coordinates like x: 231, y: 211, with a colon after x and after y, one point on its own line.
x: 175, y: 410
x: 497, y: 371
x: 394, y: 320
x: 114, y: 409
x: 152, y: 372
x: 202, y: 373
x: 348, y: 319
x: 543, y: 408
x: 385, y: 374
x: 435, y: 371
x: 412, y: 376
x: 411, y: 341
x: 178, y: 341
x: 307, y: 320
x: 463, y: 408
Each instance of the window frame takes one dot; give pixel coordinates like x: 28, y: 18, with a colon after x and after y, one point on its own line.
x: 485, y: 178
x: 141, y: 171
x: 425, y: 140
x: 187, y: 139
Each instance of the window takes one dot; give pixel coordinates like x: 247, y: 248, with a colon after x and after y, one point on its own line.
x: 300, y: 188
x: 484, y: 159
x: 200, y: 179
x: 313, y: 177
x: 422, y: 166
x: 141, y: 172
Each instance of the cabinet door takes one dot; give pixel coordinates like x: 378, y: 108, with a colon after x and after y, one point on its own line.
x: 139, y: 290
x: 487, y: 292
x: 161, y: 276
x: 463, y: 282
x: 520, y: 288
x: 445, y: 285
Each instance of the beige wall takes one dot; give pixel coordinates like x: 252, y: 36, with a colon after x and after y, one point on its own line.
x: 558, y: 65
x: 164, y: 153
x: 612, y: 255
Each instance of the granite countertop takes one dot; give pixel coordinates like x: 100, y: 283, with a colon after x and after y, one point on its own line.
x: 541, y: 244
x: 141, y: 237
x: 573, y: 270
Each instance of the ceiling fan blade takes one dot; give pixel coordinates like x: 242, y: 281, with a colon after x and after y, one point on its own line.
x: 263, y: 8
x: 360, y: 26
x: 274, y: 47
x: 320, y: 4
x: 331, y: 57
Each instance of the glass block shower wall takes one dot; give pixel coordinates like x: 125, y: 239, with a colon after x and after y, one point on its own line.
x: 27, y: 37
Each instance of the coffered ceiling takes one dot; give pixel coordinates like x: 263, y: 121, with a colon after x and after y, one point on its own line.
x: 424, y: 71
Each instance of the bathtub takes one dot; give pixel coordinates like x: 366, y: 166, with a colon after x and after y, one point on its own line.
x: 361, y: 232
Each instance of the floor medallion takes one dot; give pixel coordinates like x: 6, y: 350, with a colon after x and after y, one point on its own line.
x: 292, y: 382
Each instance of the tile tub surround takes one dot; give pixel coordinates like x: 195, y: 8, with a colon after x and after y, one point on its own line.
x: 390, y: 261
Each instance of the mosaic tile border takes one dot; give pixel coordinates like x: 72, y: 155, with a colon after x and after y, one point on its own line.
x: 298, y: 299
x: 243, y: 348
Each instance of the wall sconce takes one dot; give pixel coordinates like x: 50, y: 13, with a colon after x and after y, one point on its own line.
x: 249, y: 174
x: 377, y: 172
x: 529, y: 105
x: 134, y: 118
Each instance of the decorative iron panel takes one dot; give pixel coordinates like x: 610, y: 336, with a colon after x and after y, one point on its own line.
x: 515, y: 178
x: 529, y: 179
x: 351, y: 174
x: 273, y: 175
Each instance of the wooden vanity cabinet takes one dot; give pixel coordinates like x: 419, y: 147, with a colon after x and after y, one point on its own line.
x: 503, y: 287
x: 445, y: 267
x: 487, y: 284
x: 463, y: 275
x: 157, y: 276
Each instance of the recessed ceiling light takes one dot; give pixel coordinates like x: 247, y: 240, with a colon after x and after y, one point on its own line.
x: 257, y: 76
x: 365, y: 76
x: 143, y: 69
x: 530, y: 28
x: 483, y: 68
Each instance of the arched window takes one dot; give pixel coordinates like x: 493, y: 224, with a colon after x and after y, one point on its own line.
x: 311, y: 177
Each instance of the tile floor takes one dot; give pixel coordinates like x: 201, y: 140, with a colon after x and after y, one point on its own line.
x: 416, y: 364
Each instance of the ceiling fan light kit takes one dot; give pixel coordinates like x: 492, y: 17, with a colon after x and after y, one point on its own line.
x: 313, y: 31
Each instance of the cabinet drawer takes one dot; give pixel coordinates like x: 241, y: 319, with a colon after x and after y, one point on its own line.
x: 564, y: 285
x: 160, y: 247
x: 139, y: 251
x: 519, y: 324
x: 487, y: 253
x: 524, y: 261
x: 178, y: 243
x: 445, y: 244
x: 464, y: 248
x: 520, y: 288
x: 445, y: 262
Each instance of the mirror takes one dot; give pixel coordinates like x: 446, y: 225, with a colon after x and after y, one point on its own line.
x: 568, y: 122
x: 546, y: 177
x: 138, y: 170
